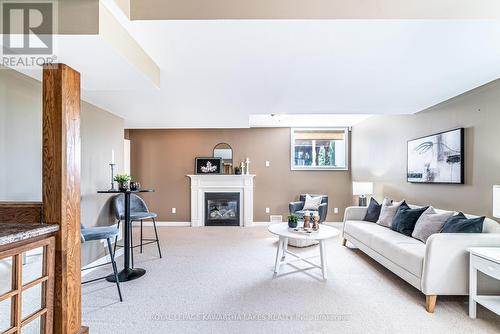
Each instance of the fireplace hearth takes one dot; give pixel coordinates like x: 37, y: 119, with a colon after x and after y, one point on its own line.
x: 222, y: 209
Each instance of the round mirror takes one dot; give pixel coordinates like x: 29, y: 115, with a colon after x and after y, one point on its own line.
x: 225, y: 152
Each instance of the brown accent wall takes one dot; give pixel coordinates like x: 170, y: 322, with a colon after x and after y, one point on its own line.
x: 310, y: 9
x: 160, y: 159
x: 379, y: 151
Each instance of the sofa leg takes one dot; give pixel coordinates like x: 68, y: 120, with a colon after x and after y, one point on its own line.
x: 430, y: 303
x: 344, y: 241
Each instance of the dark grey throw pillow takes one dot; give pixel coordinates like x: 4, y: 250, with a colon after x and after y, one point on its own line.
x: 406, y: 218
x: 373, y: 211
x: 461, y: 224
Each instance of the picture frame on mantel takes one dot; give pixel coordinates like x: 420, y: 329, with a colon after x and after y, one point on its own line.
x: 204, y: 165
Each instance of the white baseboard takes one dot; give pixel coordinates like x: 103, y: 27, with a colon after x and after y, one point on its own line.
x: 184, y: 224
x: 267, y: 223
x: 257, y: 224
x: 170, y: 224
x: 333, y: 223
x: 188, y: 224
x: 102, y: 260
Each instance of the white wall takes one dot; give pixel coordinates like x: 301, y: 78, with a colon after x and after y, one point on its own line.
x: 21, y: 152
x: 20, y: 138
x: 379, y: 151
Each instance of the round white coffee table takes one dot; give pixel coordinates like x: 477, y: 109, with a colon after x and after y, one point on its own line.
x: 284, y: 233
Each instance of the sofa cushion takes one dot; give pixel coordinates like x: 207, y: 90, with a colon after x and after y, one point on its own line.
x: 430, y: 222
x: 387, y: 212
x: 373, y: 211
x: 461, y: 224
x: 362, y: 230
x: 406, y: 252
x: 406, y: 218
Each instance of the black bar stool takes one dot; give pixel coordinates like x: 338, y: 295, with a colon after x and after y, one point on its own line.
x: 138, y: 213
x: 101, y: 233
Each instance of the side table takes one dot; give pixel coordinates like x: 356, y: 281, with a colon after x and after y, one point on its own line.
x: 487, y: 261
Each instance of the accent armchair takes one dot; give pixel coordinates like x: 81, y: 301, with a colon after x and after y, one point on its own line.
x: 296, y: 207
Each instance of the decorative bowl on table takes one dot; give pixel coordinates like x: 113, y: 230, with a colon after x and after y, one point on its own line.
x: 135, y: 186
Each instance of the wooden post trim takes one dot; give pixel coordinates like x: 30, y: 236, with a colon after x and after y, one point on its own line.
x: 61, y: 188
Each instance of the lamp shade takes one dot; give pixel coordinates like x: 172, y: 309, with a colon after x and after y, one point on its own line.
x: 496, y: 201
x: 362, y: 188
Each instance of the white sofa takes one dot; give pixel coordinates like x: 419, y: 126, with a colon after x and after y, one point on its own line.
x: 438, y: 267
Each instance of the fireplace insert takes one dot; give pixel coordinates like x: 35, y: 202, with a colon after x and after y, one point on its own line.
x: 222, y: 209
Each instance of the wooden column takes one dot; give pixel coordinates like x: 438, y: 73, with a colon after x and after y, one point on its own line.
x: 61, y: 189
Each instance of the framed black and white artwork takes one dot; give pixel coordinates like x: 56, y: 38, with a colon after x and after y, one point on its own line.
x: 438, y: 158
x: 208, y: 165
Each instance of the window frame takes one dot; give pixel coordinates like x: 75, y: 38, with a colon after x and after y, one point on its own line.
x: 319, y: 168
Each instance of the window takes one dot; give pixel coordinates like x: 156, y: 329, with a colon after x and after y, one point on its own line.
x: 319, y: 149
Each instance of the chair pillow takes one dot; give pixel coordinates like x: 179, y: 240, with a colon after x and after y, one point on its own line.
x: 312, y: 203
x: 461, y: 224
x: 387, y: 212
x: 430, y: 222
x: 373, y: 211
x: 406, y: 218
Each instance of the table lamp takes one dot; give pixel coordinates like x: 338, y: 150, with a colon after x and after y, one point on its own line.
x: 496, y: 201
x: 362, y: 189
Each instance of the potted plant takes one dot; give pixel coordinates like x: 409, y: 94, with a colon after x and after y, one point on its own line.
x: 123, y: 180
x: 292, y: 220
x: 237, y: 170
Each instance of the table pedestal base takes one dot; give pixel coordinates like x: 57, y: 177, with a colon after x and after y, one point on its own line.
x: 127, y: 275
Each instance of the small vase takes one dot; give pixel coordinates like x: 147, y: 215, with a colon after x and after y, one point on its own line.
x: 134, y: 186
x: 307, y: 220
x: 316, y: 223
x: 123, y: 186
x: 292, y: 224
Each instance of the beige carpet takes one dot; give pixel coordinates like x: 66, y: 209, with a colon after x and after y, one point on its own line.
x: 220, y: 280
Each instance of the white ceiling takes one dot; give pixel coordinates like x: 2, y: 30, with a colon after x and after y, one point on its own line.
x: 216, y: 73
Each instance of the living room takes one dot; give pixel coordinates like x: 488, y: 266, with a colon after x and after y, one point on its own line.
x: 305, y: 167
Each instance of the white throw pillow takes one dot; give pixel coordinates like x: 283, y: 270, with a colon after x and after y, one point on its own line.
x: 388, y: 211
x: 312, y: 203
x: 430, y: 222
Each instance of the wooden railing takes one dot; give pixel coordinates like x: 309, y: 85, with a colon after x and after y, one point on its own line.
x: 28, y: 310
x: 20, y: 212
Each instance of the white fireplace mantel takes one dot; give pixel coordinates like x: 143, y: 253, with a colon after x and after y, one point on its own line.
x: 200, y: 184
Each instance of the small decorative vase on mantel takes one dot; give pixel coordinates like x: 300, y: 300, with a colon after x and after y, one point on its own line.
x: 123, y: 181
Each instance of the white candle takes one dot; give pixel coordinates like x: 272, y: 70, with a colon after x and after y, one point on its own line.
x: 112, y: 156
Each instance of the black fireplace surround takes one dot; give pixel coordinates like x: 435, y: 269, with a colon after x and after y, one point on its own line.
x: 222, y: 209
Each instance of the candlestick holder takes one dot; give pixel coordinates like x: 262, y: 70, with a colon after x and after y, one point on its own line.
x: 112, y: 165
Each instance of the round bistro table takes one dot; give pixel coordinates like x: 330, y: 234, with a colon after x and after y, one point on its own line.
x: 127, y: 273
